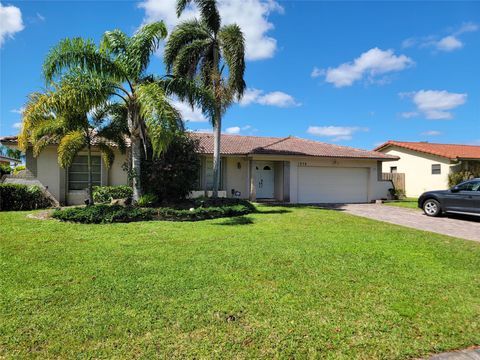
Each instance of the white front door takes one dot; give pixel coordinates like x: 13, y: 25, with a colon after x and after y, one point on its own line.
x: 265, y: 180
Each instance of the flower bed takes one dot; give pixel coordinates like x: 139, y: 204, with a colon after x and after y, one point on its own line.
x: 103, y: 214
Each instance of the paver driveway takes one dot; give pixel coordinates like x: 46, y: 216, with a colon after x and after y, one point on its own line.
x: 458, y: 227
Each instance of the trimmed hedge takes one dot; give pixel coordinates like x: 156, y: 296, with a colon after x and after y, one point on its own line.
x: 22, y: 197
x: 103, y: 214
x: 104, y: 194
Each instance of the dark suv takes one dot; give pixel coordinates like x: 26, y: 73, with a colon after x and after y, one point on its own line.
x: 463, y: 198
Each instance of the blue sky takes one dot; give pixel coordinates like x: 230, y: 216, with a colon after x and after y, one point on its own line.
x: 352, y: 73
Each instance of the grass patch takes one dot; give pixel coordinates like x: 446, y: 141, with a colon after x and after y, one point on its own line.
x: 303, y: 283
x: 411, y: 203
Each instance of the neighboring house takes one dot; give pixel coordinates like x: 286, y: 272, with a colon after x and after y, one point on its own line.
x: 283, y: 169
x: 6, y: 160
x: 426, y: 165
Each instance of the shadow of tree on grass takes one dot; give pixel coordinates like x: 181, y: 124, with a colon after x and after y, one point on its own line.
x: 238, y: 220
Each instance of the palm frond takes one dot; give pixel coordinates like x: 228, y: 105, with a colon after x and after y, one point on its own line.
x: 108, y: 154
x: 143, y: 44
x: 115, y: 41
x: 208, y: 12
x: 188, y: 58
x: 232, y: 44
x: 183, y: 34
x: 162, y: 120
x: 69, y: 146
x: 76, y: 53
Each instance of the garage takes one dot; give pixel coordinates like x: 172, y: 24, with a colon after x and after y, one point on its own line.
x: 332, y: 185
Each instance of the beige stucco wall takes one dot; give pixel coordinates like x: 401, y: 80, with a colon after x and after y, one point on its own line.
x: 236, y: 178
x: 417, y: 168
x: 52, y: 176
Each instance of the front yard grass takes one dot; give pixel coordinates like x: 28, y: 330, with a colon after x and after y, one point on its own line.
x: 411, y: 203
x: 283, y: 283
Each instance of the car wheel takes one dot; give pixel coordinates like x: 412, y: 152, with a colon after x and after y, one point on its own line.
x: 432, y: 207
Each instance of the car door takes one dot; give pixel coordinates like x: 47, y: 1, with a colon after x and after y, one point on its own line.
x: 464, y: 197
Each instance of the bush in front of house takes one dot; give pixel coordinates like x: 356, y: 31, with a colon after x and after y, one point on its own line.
x: 5, y: 169
x: 172, y: 175
x: 22, y: 197
x: 104, y: 194
x: 103, y: 214
x: 455, y: 178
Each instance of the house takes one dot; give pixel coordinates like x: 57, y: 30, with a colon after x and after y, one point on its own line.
x: 288, y: 169
x: 427, y: 165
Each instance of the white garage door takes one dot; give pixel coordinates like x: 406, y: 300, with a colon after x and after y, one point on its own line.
x: 332, y: 185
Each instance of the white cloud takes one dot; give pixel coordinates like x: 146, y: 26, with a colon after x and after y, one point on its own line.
x: 250, y: 15
x: 18, y: 111
x: 17, y: 125
x: 446, y: 43
x: 435, y: 104
x: 210, y: 130
x: 371, y: 63
x: 10, y: 22
x: 431, y: 133
x: 316, y: 72
x: 40, y: 17
x: 449, y: 43
x: 233, y: 130
x: 274, y: 98
x: 336, y: 133
x: 409, y: 114
x: 189, y: 114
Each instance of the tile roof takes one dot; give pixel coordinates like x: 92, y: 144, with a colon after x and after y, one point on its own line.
x: 250, y: 145
x: 450, y: 151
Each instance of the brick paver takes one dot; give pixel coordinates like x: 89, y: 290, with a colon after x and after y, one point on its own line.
x: 458, y: 227
x: 458, y: 355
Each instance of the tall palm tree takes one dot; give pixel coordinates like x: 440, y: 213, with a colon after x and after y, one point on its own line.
x: 213, y: 55
x: 118, y: 69
x: 60, y: 117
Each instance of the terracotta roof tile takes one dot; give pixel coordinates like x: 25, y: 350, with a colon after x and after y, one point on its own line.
x: 249, y: 145
x: 451, y: 151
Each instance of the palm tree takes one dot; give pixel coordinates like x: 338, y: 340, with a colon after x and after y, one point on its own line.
x: 204, y: 51
x: 117, y: 69
x: 60, y: 117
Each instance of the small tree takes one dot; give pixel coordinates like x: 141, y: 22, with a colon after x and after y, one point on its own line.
x: 59, y: 117
x: 175, y: 172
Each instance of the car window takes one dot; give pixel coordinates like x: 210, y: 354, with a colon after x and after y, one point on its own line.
x: 469, y: 186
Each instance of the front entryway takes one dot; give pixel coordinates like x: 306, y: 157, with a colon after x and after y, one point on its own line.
x: 265, y: 179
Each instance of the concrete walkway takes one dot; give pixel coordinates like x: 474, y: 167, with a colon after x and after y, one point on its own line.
x: 458, y: 355
x: 466, y: 228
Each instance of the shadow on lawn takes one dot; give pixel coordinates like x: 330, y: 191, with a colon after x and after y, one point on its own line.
x: 337, y: 207
x: 238, y: 220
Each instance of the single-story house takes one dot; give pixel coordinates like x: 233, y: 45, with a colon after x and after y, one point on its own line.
x: 287, y: 169
x: 427, y: 165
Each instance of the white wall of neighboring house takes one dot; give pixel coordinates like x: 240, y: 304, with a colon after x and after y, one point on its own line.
x: 417, y: 167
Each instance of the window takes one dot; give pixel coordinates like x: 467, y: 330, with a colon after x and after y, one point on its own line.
x: 78, y: 172
x: 469, y: 186
x: 436, y: 169
x: 393, y: 169
x: 209, y: 174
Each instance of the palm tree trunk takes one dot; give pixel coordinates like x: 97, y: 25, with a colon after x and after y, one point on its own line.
x: 217, y: 130
x: 217, y: 123
x: 136, y: 146
x: 90, y: 180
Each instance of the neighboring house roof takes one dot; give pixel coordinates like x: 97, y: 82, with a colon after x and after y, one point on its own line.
x: 9, y: 159
x: 450, y: 151
x: 250, y: 145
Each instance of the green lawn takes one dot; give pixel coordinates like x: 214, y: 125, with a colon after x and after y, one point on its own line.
x: 285, y: 283
x: 406, y: 203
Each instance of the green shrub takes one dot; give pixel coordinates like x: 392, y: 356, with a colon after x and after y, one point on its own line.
x: 22, y: 197
x: 104, y: 194
x: 102, y: 214
x: 147, y: 200
x: 173, y: 174
x: 5, y: 169
x: 18, y: 168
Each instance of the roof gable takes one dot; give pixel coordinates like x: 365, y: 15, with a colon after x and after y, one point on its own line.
x: 450, y: 151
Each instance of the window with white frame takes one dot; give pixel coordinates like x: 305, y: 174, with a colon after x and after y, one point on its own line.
x: 78, y: 172
x: 436, y: 169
